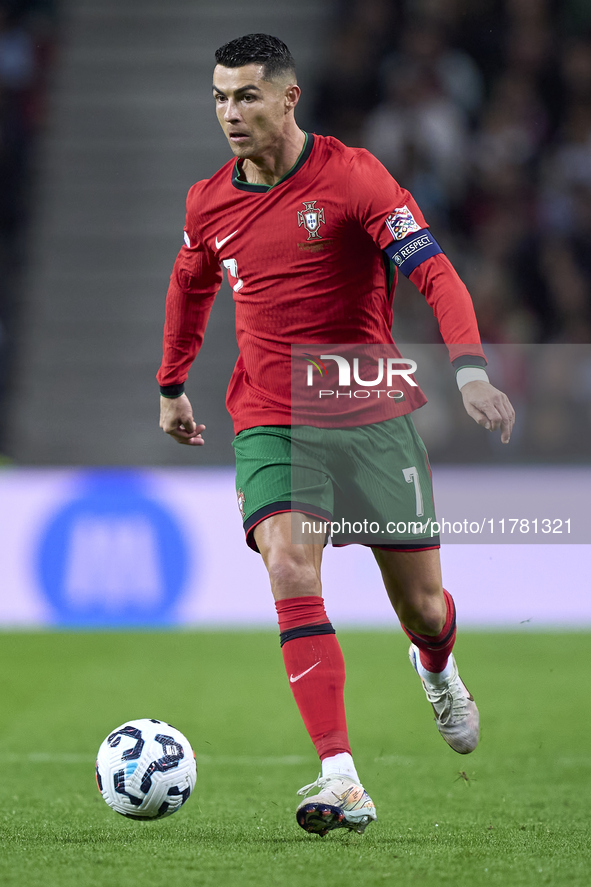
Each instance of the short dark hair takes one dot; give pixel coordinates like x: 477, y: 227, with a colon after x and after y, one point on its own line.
x: 257, y: 49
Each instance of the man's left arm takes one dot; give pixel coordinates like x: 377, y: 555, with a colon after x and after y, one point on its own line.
x: 392, y: 218
x: 445, y: 292
x: 489, y: 407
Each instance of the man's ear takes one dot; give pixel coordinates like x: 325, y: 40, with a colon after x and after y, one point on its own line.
x: 292, y: 96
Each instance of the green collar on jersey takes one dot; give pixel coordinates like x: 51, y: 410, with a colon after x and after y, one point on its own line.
x: 243, y: 185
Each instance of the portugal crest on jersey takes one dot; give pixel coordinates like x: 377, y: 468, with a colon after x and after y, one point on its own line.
x: 312, y: 218
x: 241, y: 497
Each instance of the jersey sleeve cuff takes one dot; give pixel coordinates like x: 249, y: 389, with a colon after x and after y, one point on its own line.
x: 409, y: 253
x: 470, y: 374
x: 172, y: 391
x: 468, y: 360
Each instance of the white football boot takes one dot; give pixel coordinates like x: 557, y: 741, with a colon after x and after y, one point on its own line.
x: 340, y: 803
x: 456, y: 714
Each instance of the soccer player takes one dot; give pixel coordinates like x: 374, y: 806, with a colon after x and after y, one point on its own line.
x: 310, y: 233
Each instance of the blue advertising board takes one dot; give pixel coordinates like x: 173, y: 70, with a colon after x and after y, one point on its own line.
x: 112, y: 556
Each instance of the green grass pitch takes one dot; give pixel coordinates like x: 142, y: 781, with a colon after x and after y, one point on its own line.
x: 515, y: 812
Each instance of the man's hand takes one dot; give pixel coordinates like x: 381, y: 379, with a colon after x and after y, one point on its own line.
x: 489, y: 407
x: 176, y: 418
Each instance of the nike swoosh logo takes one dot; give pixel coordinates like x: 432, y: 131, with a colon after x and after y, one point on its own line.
x: 292, y: 680
x: 220, y: 243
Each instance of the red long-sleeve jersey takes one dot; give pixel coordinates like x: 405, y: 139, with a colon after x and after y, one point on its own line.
x: 305, y: 261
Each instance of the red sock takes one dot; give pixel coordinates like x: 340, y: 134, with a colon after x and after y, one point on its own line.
x: 434, y: 651
x: 316, y: 670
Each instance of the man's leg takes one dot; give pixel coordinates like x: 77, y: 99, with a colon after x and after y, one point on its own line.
x: 426, y: 611
x: 316, y: 671
x: 427, y: 615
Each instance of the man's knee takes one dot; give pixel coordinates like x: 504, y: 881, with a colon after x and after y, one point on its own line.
x: 294, y: 569
x: 424, y: 610
x: 292, y: 574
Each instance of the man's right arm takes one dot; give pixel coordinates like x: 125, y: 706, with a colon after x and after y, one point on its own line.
x: 195, y: 280
x: 176, y: 419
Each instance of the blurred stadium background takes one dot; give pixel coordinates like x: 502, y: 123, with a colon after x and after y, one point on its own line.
x: 482, y: 110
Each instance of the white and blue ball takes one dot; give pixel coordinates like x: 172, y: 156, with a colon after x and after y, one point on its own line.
x: 145, y: 769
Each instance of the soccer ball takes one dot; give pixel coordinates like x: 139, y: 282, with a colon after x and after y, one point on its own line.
x: 146, y: 769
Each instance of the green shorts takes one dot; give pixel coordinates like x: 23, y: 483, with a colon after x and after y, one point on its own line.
x: 370, y: 484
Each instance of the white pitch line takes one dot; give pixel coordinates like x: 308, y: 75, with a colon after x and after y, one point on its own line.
x: 46, y: 758
x: 253, y: 761
x: 220, y: 760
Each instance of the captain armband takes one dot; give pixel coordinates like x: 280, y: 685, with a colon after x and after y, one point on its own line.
x: 408, y: 254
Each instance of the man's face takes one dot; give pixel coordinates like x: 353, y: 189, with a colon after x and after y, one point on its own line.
x: 251, y: 111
